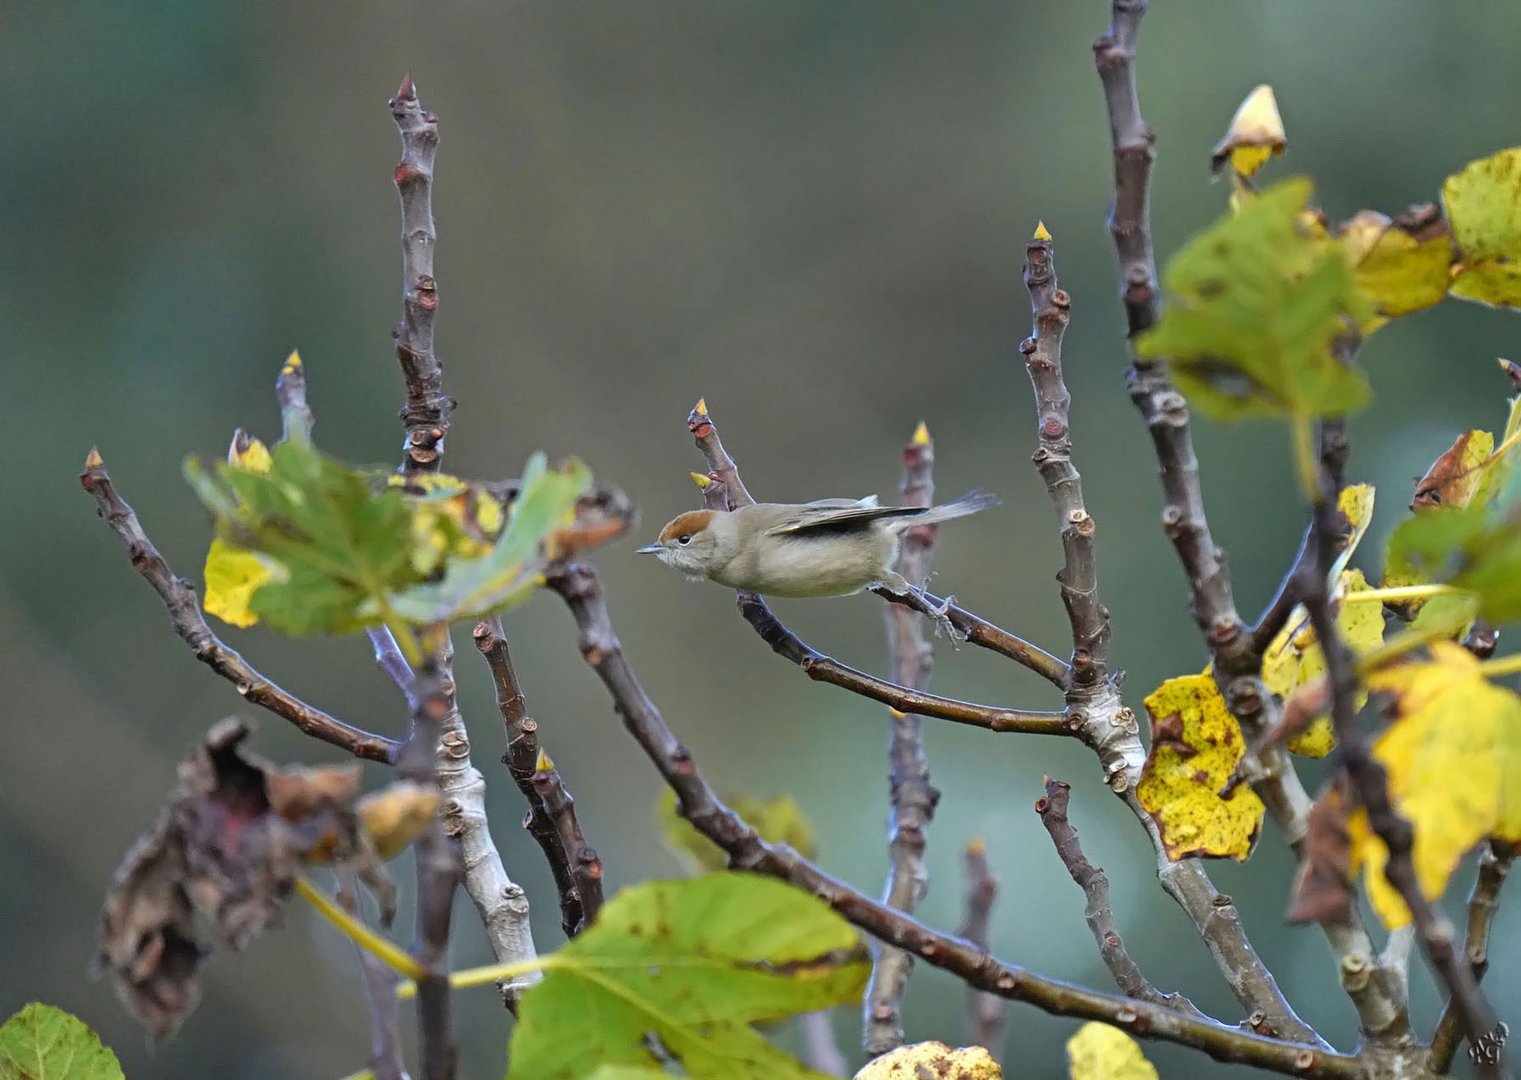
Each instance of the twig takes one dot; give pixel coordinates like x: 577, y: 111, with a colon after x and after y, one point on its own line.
x: 986, y: 1014
x: 823, y: 668
x: 290, y: 393
x: 577, y: 585
x: 585, y: 865
x: 521, y: 760
x: 978, y: 631
x: 185, y: 615
x: 389, y: 659
x: 821, y: 1049
x: 1052, y: 808
x: 426, y: 413
x: 911, y: 659
x: 1369, y: 782
x: 1483, y: 902
x: 438, y: 865
x: 379, y: 983
x: 1235, y: 651
x: 1042, y: 350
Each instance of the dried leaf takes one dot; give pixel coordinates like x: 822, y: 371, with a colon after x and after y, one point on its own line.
x: 1322, y: 889
x: 932, y: 1061
x: 394, y: 816
x: 229, y: 845
x: 1101, y: 1052
x: 1453, y: 479
x: 1196, y: 746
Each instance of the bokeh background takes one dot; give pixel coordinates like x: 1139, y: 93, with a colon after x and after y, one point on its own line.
x: 812, y: 213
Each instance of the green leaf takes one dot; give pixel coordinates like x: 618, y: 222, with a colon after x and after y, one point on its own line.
x: 1256, y: 302
x: 1483, y: 203
x: 511, y: 569
x: 694, y: 964
x: 778, y: 820
x: 1468, y: 549
x: 44, y: 1043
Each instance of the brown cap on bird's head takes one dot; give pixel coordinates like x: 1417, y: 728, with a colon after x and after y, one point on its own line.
x: 693, y: 521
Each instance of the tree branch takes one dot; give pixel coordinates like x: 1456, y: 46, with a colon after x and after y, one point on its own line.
x: 379, y: 983
x: 986, y: 1014
x: 1369, y: 782
x: 522, y: 759
x: 911, y: 659
x: 185, y: 615
x: 585, y: 866
x: 1052, y: 809
x: 438, y: 861
x: 389, y: 658
x: 577, y: 585
x: 426, y: 413
x: 1483, y: 902
x: 1235, y: 651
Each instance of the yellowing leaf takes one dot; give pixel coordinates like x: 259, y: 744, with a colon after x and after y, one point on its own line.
x: 1453, y: 756
x: 44, y: 1043
x: 1101, y: 1052
x: 694, y: 964
x: 932, y: 1061
x: 233, y: 575
x: 1255, y: 134
x: 1296, y: 658
x: 1356, y: 505
x: 395, y: 815
x: 1196, y: 746
x: 1256, y: 303
x: 1453, y: 479
x: 778, y: 820
x: 1483, y: 202
x: 1400, y: 266
x: 1502, y: 461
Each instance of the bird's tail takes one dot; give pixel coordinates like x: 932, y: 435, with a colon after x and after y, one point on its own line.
x: 970, y: 503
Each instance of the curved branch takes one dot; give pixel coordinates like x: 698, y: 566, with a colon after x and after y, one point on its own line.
x: 1483, y: 902
x: 577, y: 585
x: 185, y: 615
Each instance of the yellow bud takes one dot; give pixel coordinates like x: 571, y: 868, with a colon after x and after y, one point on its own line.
x: 702, y: 407
x: 93, y: 459
x: 921, y: 433
x: 702, y: 480
x: 1041, y: 232
x: 542, y: 762
x: 1255, y: 134
x: 292, y: 362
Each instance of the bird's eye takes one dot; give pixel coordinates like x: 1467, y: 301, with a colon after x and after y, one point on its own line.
x: 684, y: 538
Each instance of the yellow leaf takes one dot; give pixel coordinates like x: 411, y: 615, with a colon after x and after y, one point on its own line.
x: 1402, y: 265
x: 1196, y: 746
x: 1453, y: 755
x: 1101, y: 1052
x: 233, y: 575
x: 1296, y: 658
x: 1483, y: 202
x: 1356, y: 505
x: 933, y: 1061
x: 451, y: 518
x: 395, y: 815
x: 1453, y: 479
x: 1255, y: 134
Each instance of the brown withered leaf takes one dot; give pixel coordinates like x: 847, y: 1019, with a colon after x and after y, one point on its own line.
x: 229, y: 846
x: 1454, y: 477
x: 1322, y: 889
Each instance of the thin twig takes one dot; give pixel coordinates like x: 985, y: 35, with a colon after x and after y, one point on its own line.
x: 185, y: 615
x: 379, y: 983
x: 577, y: 585
x: 521, y: 759
x: 426, y: 413
x: 389, y: 658
x: 911, y: 658
x: 1370, y: 782
x: 585, y: 865
x: 1235, y: 651
x: 820, y: 1048
x: 986, y: 1014
x: 1052, y: 808
x: 1483, y: 902
x: 290, y: 393
x: 439, y: 868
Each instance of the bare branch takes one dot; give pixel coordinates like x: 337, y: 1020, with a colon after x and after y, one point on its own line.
x: 585, y: 866
x: 1483, y: 902
x: 426, y: 413
x: 986, y: 1014
x: 185, y: 615
x: 577, y: 585
x: 911, y: 659
x: 1078, y: 578
x: 1052, y: 808
x: 290, y: 393
x: 379, y: 982
x: 521, y: 759
x: 821, y: 1050
x: 389, y: 658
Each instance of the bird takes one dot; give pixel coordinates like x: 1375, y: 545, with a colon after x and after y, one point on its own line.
x: 831, y: 547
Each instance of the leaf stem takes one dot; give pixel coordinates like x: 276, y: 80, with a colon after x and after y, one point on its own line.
x: 385, y: 951
x: 1501, y: 666
x: 1402, y: 592
x: 1302, y: 438
x: 466, y: 978
x: 1409, y: 641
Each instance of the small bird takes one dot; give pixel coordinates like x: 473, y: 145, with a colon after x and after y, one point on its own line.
x: 833, y: 547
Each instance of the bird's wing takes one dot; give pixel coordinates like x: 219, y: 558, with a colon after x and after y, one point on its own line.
x: 869, y: 500
x: 820, y: 518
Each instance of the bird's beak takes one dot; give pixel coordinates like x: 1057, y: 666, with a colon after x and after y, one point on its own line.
x: 648, y: 549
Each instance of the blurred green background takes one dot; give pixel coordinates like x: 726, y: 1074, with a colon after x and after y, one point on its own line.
x: 812, y: 213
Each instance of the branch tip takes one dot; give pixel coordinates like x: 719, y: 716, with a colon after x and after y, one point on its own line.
x: 93, y: 459
x: 1041, y: 232
x: 921, y: 435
